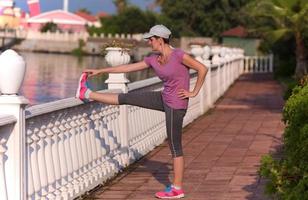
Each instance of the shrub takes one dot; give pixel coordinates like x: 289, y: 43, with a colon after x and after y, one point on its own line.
x: 288, y: 177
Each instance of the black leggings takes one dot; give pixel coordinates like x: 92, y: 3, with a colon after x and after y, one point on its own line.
x: 174, y: 117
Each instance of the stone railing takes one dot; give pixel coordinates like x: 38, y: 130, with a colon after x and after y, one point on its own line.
x: 60, y: 150
x: 62, y: 36
x: 258, y: 64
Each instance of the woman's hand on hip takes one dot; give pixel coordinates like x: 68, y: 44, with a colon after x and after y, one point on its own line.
x: 184, y: 94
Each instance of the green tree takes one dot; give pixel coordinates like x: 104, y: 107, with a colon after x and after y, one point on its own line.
x: 282, y: 19
x: 85, y: 10
x: 49, y: 27
x: 201, y: 17
x: 131, y: 20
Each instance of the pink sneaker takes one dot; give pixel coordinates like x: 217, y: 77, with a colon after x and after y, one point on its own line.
x: 170, y: 193
x: 82, y: 87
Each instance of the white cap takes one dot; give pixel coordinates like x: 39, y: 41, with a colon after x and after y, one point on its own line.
x: 158, y: 30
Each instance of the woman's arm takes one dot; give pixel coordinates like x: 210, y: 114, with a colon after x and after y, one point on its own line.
x: 118, y: 69
x: 201, y: 69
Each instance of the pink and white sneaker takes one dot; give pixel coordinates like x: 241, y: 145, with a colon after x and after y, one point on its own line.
x: 82, y: 87
x: 170, y: 193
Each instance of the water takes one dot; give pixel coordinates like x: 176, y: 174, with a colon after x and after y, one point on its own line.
x: 51, y: 77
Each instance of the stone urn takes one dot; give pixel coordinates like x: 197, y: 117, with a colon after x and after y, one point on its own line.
x: 206, y: 52
x: 12, y: 72
x: 116, y: 56
x: 216, y: 58
x: 197, y: 51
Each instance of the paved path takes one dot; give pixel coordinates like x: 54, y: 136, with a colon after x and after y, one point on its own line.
x: 222, y: 149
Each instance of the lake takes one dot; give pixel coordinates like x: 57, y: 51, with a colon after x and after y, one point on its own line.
x: 51, y: 77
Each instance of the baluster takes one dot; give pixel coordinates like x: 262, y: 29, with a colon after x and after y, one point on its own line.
x: 111, y: 140
x: 35, y: 164
x: 256, y: 68
x: 64, y: 127
x: 110, y: 133
x: 107, y: 140
x: 85, y: 148
x: 56, y: 159
x: 271, y: 63
x: 115, y: 127
x: 148, y: 122
x: 89, y: 150
x: 130, y: 124
x: 30, y: 192
x: 63, y: 164
x: 93, y: 147
x: 81, y: 160
x: 119, y: 136
x: 42, y: 162
x: 134, y: 124
x: 246, y: 64
x: 98, y: 141
x: 261, y: 64
x: 252, y: 66
x: 102, y: 146
x: 49, y: 162
x: 3, y: 187
x: 74, y: 153
x: 115, y: 132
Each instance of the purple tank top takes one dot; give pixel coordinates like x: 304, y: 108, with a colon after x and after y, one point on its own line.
x: 175, y: 76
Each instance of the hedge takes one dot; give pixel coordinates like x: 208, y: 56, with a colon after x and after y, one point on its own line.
x: 288, y: 177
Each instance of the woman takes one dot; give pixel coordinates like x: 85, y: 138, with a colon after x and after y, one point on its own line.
x: 172, y: 67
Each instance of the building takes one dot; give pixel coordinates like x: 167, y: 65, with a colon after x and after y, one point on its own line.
x: 65, y: 21
x: 92, y: 20
x: 239, y: 37
x: 10, y: 16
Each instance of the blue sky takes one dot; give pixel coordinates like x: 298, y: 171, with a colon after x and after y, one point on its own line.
x: 93, y: 5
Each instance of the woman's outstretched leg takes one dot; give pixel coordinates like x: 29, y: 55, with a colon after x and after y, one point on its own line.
x: 150, y: 100
x: 107, y: 98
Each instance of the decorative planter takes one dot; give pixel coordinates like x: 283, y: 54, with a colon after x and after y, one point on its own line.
x: 197, y: 51
x: 116, y: 56
x: 206, y: 52
x: 12, y: 72
x: 216, y: 58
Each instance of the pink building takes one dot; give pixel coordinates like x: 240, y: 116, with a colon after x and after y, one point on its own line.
x: 66, y: 21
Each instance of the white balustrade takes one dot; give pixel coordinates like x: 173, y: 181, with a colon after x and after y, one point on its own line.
x: 258, y: 64
x: 71, y: 147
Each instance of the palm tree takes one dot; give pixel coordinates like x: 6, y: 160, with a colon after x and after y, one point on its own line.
x: 155, y: 3
x: 120, y: 4
x: 281, y: 19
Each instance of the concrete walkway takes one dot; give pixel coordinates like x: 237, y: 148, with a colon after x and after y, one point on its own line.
x: 222, y: 149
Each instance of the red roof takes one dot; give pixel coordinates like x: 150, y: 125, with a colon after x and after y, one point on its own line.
x: 86, y: 16
x: 238, y: 31
x: 58, y: 17
x: 102, y: 15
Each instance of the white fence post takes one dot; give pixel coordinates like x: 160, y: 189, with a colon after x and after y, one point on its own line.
x: 216, y: 60
x: 15, y: 165
x: 116, y: 56
x: 207, y: 86
x: 198, y: 53
x: 12, y: 72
